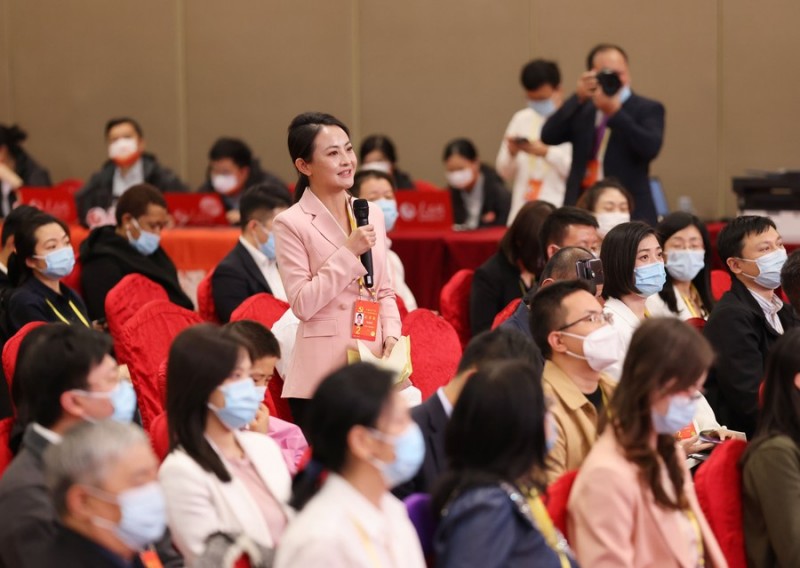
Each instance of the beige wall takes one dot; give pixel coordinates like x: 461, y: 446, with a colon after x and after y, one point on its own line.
x: 421, y: 71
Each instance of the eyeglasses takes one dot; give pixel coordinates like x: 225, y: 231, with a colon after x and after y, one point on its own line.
x: 594, y: 317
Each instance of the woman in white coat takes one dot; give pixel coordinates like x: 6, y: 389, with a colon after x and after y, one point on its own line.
x: 218, y: 478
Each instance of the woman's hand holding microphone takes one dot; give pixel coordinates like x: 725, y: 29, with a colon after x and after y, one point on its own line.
x: 361, y: 240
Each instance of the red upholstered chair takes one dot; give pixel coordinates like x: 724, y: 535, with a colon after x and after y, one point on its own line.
x: 145, y: 340
x: 205, y: 299
x: 435, y: 350
x: 71, y: 186
x: 557, y: 498
x: 159, y: 436
x: 11, y: 350
x: 6, y: 424
x: 264, y: 308
x: 161, y: 381
x: 718, y: 484
x: 401, y: 307
x: 720, y: 283
x: 125, y: 299
x: 506, y: 312
x: 697, y: 323
x: 454, y: 303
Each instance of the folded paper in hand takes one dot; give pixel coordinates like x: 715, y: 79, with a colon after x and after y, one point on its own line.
x: 399, y: 362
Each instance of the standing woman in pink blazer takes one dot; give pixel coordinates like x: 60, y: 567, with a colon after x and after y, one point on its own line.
x: 318, y: 250
x: 633, y: 503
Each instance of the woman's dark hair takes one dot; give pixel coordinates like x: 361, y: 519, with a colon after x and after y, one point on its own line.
x: 233, y: 149
x: 496, y: 433
x: 260, y: 341
x: 200, y: 359
x: 588, y: 200
x: 460, y: 147
x: 382, y: 144
x: 303, y: 132
x: 136, y: 199
x: 355, y: 395
x: 521, y: 244
x: 670, y: 225
x: 780, y: 407
x: 25, y: 246
x: 12, y: 137
x: 682, y: 356
x: 540, y: 72
x: 618, y: 254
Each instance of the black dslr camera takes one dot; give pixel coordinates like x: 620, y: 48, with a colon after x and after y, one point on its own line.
x: 609, y: 81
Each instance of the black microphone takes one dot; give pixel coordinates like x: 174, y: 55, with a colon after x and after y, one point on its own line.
x: 361, y: 212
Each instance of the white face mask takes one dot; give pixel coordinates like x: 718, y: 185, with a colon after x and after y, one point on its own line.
x: 382, y: 166
x: 122, y: 148
x: 609, y: 220
x: 224, y: 183
x: 460, y: 179
x: 601, y: 348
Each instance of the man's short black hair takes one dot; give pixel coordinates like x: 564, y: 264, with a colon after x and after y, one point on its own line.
x: 540, y: 72
x: 262, y: 197
x: 601, y: 47
x: 730, y: 241
x: 547, y: 312
x: 498, y: 344
x: 234, y: 149
x: 561, y: 265
x: 14, y: 219
x: 122, y: 120
x: 555, y: 227
x: 136, y: 200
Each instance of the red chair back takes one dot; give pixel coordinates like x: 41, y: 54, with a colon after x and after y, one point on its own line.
x: 125, y: 299
x: 145, y: 340
x: 720, y: 283
x: 57, y: 202
x: 71, y: 186
x: 557, y: 499
x: 159, y: 436
x: 718, y: 483
x: 264, y: 308
x: 506, y: 312
x: 401, y: 307
x: 11, y: 351
x: 454, y: 303
x: 697, y: 323
x: 6, y: 425
x: 205, y: 299
x: 435, y: 350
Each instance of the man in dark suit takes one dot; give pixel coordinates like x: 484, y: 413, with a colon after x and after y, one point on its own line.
x: 250, y: 268
x: 614, y: 135
x: 747, y: 321
x: 433, y: 415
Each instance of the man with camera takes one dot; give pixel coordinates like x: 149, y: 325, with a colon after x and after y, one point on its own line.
x: 613, y: 131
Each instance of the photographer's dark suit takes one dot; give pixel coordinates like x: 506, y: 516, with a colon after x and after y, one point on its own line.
x: 637, y: 131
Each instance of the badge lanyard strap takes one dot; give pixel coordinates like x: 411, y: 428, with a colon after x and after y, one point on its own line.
x: 545, y: 525
x: 60, y: 316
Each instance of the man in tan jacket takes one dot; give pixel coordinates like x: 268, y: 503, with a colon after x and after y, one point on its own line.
x: 571, y: 330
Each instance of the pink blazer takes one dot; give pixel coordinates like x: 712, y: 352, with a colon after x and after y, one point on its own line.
x: 613, y: 520
x: 321, y: 281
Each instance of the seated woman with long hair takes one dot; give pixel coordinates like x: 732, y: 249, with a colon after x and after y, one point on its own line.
x: 488, y: 500
x: 633, y: 502
x: 771, y: 464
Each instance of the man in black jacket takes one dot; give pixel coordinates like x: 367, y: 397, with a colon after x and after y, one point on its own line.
x: 128, y: 165
x: 615, y: 134
x: 250, y: 268
x: 131, y: 247
x: 747, y: 321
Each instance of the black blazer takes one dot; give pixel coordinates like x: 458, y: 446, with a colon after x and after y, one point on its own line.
x: 71, y: 550
x: 432, y: 420
x: 496, y: 282
x: 236, y: 278
x: 29, y: 303
x: 742, y: 338
x: 637, y: 132
x: 496, y: 198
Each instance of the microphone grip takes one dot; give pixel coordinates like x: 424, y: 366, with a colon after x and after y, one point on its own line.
x: 366, y: 260
x: 361, y: 214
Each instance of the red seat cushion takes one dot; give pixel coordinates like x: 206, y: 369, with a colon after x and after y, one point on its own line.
x: 697, y: 323
x: 159, y: 436
x: 11, y: 350
x: 264, y: 308
x: 6, y: 424
x: 557, y: 498
x: 718, y: 483
x: 454, y: 303
x: 720, y: 283
x: 506, y: 312
x: 435, y: 350
x: 205, y: 299
x: 401, y: 307
x: 124, y: 300
x: 145, y: 340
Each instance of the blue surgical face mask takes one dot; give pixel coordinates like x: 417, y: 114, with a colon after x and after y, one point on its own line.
x: 624, y: 94
x: 147, y: 243
x: 409, y: 451
x: 389, y: 208
x: 241, y: 403
x: 650, y: 278
x: 123, y: 400
x: 268, y: 247
x: 769, y: 268
x: 684, y: 265
x: 680, y: 414
x: 143, y: 515
x: 59, y: 263
x: 545, y: 107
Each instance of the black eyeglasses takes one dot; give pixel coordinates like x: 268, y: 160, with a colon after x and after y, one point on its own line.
x: 594, y: 317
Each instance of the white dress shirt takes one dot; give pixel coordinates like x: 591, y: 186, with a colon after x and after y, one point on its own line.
x: 269, y: 268
x: 659, y: 308
x: 47, y: 434
x: 770, y: 309
x: 552, y: 168
x: 446, y: 404
x: 123, y: 182
x: 625, y: 322
x: 340, y: 528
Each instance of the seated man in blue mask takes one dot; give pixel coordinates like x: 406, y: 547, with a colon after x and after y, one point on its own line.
x: 250, y: 268
x: 131, y: 247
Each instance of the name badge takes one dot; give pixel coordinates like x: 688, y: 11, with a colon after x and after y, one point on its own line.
x: 365, y: 320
